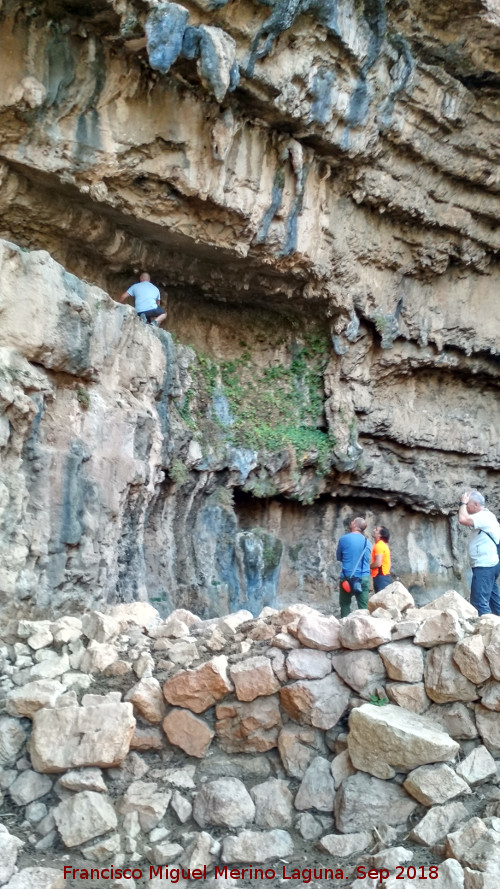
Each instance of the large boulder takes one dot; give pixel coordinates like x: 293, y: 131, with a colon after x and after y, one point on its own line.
x: 224, y: 803
x: 84, y: 816
x: 363, y: 801
x: 248, y: 727
x: 95, y: 734
x: 254, y: 678
x: 383, y: 740
x: 443, y: 680
x: 318, y: 702
x: 199, y: 689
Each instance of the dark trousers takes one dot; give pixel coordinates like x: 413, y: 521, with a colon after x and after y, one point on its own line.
x: 345, y: 599
x: 380, y: 581
x: 484, y: 593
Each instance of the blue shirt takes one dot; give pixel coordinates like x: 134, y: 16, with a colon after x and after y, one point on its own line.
x: 349, y: 549
x: 146, y: 296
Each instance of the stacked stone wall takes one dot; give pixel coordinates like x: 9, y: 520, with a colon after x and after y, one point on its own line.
x: 372, y: 741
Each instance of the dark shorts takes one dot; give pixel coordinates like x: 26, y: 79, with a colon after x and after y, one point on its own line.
x: 152, y: 313
x: 380, y: 581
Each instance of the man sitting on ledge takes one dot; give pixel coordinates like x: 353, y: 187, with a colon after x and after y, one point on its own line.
x: 146, y: 300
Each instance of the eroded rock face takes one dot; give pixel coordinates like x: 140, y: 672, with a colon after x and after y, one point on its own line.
x: 170, y: 169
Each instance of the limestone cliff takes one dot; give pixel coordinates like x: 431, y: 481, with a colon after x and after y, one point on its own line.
x: 314, y: 185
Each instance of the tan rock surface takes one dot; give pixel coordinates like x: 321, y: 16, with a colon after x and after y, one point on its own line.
x: 394, y: 596
x: 403, y: 661
x: 188, y: 732
x: 435, y: 784
x: 72, y: 737
x: 359, y: 631
x: 363, y: 801
x: 383, y: 740
x: 319, y: 631
x: 245, y: 727
x: 84, y: 816
x: 439, y: 629
x: 147, y: 698
x: 361, y: 670
x: 253, y: 678
x: 470, y: 658
x: 201, y: 688
x: 411, y: 697
x: 443, y: 680
x: 317, y: 702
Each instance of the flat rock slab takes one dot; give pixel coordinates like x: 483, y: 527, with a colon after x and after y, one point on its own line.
x: 435, y: 784
x: 37, y: 878
x: 84, y: 816
x: 383, y: 740
x: 437, y: 823
x: 90, y: 735
x: 256, y: 846
x: 363, y: 631
x: 363, y: 801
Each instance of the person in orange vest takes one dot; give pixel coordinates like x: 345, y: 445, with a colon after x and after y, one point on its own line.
x: 380, y: 566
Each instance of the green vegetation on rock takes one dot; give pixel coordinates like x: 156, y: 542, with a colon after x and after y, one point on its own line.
x: 269, y: 408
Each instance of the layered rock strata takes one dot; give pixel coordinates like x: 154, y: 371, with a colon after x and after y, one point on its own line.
x: 290, y: 173
x: 119, y: 480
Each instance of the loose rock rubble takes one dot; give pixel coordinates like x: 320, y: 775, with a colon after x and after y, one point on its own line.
x: 284, y: 737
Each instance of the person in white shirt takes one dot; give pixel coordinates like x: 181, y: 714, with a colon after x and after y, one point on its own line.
x: 146, y: 300
x: 483, y: 551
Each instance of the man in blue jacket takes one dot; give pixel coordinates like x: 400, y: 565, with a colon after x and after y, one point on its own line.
x: 354, y: 551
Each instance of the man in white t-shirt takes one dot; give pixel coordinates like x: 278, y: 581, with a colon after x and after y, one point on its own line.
x: 483, y: 552
x: 146, y: 300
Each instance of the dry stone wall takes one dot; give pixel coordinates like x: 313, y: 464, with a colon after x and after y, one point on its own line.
x: 373, y: 741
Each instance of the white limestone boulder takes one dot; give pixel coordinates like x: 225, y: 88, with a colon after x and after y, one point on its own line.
x: 435, y: 784
x: 361, y: 631
x: 90, y: 735
x: 319, y: 631
x: 225, y: 802
x: 443, y: 680
x: 383, y: 740
x: 393, y: 596
x: 84, y: 816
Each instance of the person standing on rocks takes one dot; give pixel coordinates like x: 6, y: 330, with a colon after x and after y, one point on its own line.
x: 380, y: 565
x: 484, y: 594
x: 146, y: 299
x: 354, y: 551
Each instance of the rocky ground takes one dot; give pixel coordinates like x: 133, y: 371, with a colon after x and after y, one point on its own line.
x: 292, y: 741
